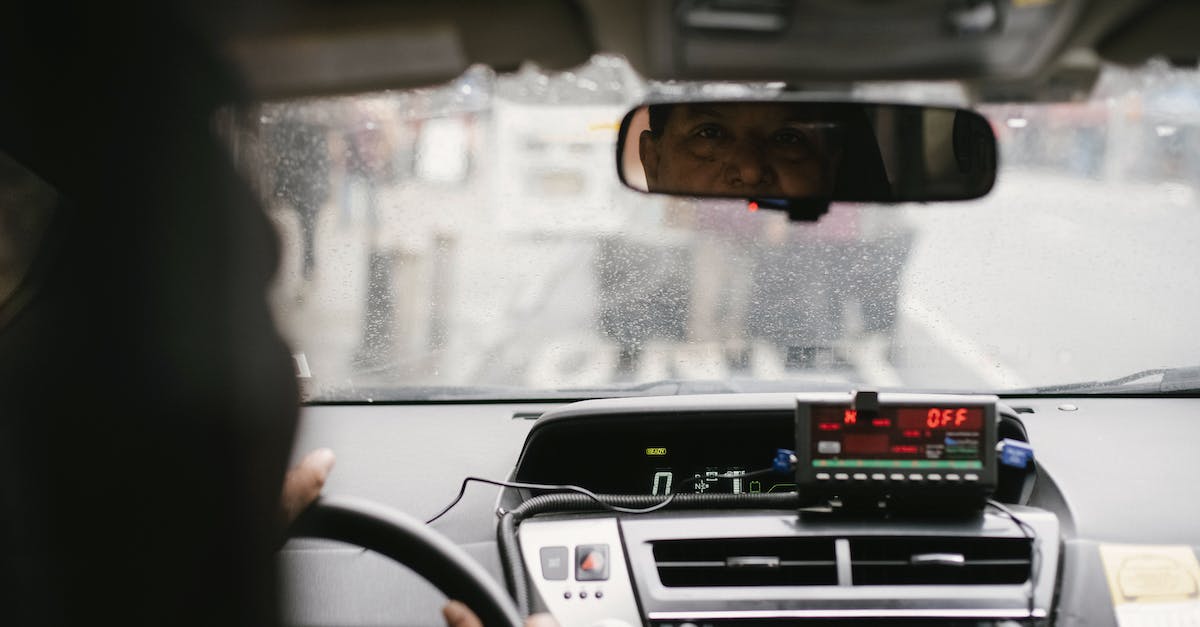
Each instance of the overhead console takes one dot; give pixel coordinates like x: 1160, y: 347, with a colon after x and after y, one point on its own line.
x: 879, y: 511
x: 823, y: 40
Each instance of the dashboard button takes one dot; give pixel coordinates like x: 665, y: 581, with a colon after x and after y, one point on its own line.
x: 599, y: 594
x: 953, y: 477
x: 916, y: 477
x: 971, y: 477
x: 841, y: 476
x: 933, y: 476
x: 822, y: 476
x: 860, y: 476
x: 895, y: 476
x: 591, y: 563
x: 583, y: 594
x: 879, y: 476
x: 554, y: 562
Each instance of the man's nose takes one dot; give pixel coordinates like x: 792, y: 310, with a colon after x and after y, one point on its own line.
x: 749, y: 165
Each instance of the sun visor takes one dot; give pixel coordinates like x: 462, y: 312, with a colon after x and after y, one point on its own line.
x: 1166, y: 29
x: 306, y: 49
x: 853, y: 40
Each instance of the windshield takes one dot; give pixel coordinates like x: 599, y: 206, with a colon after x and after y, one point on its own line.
x: 473, y: 240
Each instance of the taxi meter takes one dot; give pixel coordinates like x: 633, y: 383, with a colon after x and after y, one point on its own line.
x: 919, y: 453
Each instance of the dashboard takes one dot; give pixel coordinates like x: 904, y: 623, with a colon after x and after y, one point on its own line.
x: 656, y: 453
x: 1109, y: 471
x: 671, y: 448
x: 882, y: 494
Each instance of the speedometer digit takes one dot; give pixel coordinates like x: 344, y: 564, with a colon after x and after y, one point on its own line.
x: 662, y: 483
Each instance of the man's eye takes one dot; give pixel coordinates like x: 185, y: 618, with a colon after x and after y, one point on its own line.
x: 709, y: 132
x: 789, y: 137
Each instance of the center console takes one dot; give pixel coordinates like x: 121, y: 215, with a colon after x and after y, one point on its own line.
x: 890, y: 524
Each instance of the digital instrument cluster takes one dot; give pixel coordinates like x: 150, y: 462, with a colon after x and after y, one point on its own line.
x: 704, y: 479
x: 662, y: 454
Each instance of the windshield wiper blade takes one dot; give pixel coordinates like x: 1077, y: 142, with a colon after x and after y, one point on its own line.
x: 679, y: 387
x: 378, y: 393
x: 662, y: 387
x: 1170, y: 380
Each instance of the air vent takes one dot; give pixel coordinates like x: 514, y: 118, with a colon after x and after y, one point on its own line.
x: 939, y: 560
x: 747, y: 562
x: 752, y: 16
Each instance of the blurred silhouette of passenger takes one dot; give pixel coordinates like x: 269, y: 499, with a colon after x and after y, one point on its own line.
x: 299, y: 153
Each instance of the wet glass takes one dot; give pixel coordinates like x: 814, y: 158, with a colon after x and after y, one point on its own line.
x: 474, y: 240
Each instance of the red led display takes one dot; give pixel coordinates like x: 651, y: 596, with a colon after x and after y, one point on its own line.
x: 897, y: 433
x: 865, y: 443
x: 967, y: 418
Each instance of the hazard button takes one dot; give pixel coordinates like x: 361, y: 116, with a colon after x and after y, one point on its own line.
x: 591, y: 562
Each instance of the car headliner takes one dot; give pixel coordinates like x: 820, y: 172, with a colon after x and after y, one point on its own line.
x: 295, y: 48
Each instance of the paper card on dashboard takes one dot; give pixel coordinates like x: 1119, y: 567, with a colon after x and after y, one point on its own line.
x: 1153, y: 585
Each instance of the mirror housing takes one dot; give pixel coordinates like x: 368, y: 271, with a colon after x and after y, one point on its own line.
x: 801, y: 155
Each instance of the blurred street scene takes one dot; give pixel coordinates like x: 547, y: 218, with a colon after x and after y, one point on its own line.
x: 476, y: 235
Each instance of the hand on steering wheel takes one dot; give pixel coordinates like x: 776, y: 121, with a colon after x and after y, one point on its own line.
x: 400, y: 537
x: 459, y: 615
x: 303, y: 482
x: 410, y: 542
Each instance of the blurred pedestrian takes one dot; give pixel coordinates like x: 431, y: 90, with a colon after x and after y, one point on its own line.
x: 299, y: 153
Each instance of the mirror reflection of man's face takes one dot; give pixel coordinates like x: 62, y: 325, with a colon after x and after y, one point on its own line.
x: 739, y: 149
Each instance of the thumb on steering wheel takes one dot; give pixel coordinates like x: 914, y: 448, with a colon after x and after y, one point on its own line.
x: 459, y: 615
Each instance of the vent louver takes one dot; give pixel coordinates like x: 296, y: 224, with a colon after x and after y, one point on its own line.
x: 873, y: 561
x: 747, y: 562
x: 939, y: 560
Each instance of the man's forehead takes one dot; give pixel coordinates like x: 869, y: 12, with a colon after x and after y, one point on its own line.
x: 747, y: 111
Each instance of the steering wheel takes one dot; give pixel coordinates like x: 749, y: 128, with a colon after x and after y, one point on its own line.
x: 410, y: 542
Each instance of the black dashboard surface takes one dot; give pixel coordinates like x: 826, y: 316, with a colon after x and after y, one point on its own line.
x: 668, y: 448
x: 1120, y: 469
x: 656, y: 453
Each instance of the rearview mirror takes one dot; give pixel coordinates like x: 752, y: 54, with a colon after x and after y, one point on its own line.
x: 800, y: 155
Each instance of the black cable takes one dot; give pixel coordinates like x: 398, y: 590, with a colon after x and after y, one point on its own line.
x: 1036, y: 550
x: 506, y: 532
x: 462, y: 490
x: 552, y: 488
x: 572, y: 502
x: 511, y: 562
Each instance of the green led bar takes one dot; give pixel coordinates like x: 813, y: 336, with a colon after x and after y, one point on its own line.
x: 970, y: 464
